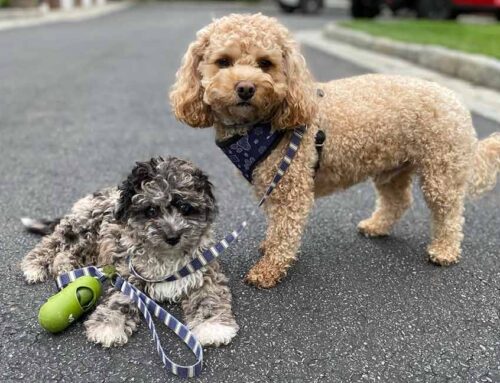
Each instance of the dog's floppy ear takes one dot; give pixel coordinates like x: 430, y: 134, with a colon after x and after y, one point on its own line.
x: 299, y: 106
x: 141, y: 173
x: 203, y: 184
x: 186, y: 96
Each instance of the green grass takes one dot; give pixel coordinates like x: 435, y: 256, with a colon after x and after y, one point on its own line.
x: 472, y: 38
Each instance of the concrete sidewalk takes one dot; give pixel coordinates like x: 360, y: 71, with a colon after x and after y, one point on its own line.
x: 481, y: 100
x: 9, y: 14
x: 18, y: 18
x: 339, y: 4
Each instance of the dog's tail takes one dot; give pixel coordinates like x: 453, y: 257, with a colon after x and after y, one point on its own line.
x: 486, y: 166
x: 40, y: 226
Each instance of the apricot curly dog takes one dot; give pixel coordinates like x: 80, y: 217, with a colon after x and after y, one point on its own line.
x: 244, y: 69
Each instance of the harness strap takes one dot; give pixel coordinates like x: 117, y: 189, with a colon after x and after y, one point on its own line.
x: 213, y: 252
x: 147, y: 306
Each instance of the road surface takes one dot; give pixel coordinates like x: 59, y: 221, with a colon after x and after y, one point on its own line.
x: 80, y: 102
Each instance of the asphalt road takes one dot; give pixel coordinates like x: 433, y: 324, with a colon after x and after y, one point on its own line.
x: 80, y: 102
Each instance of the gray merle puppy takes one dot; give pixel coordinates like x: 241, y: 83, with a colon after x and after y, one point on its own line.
x: 161, y: 216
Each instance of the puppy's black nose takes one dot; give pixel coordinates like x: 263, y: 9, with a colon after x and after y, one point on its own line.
x: 245, y: 90
x: 172, y: 240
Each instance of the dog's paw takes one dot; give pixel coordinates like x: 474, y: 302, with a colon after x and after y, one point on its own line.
x: 34, y: 272
x: 265, y: 275
x: 107, y: 334
x: 443, y: 255
x: 214, y: 333
x: 373, y: 228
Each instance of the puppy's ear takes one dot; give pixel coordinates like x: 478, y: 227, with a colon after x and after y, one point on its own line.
x: 127, y: 191
x: 299, y: 106
x: 186, y: 96
x: 204, y: 185
x: 141, y: 173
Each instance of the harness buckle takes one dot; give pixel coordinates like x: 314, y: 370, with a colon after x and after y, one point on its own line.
x: 109, y: 271
x: 320, y: 139
x: 319, y: 142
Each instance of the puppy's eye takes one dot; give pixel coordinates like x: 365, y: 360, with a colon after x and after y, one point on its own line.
x: 152, y: 212
x: 185, y: 208
x: 264, y: 64
x: 223, y: 62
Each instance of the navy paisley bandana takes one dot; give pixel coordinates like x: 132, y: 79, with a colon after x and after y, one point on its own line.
x: 247, y: 151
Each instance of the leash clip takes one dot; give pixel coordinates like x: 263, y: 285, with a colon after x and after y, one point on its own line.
x: 109, y: 271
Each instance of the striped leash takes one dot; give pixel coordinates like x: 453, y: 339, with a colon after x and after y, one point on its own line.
x: 147, y: 306
x: 213, y: 252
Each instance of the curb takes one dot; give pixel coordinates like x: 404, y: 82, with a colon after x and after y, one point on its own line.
x: 477, y: 69
x: 49, y: 17
x: 23, y: 13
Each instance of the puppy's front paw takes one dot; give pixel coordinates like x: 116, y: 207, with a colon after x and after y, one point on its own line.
x: 373, y: 228
x: 33, y: 271
x: 214, y: 333
x: 265, y: 275
x: 106, y: 333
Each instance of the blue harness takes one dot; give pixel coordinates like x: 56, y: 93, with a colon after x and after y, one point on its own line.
x: 247, y: 151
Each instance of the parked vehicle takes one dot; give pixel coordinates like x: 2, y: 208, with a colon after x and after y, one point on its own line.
x: 429, y: 9
x: 305, y: 6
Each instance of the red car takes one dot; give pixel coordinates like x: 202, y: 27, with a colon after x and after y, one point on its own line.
x: 430, y: 9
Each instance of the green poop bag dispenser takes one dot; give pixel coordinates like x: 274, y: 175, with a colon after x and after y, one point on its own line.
x: 69, y: 304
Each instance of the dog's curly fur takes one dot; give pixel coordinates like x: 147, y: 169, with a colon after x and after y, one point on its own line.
x: 161, y: 216
x: 387, y: 128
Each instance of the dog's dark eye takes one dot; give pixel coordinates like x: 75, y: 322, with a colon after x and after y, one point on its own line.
x: 223, y: 62
x: 152, y: 212
x: 185, y: 208
x: 264, y: 64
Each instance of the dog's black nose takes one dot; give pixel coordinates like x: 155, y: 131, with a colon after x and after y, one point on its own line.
x: 172, y: 240
x: 245, y: 90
